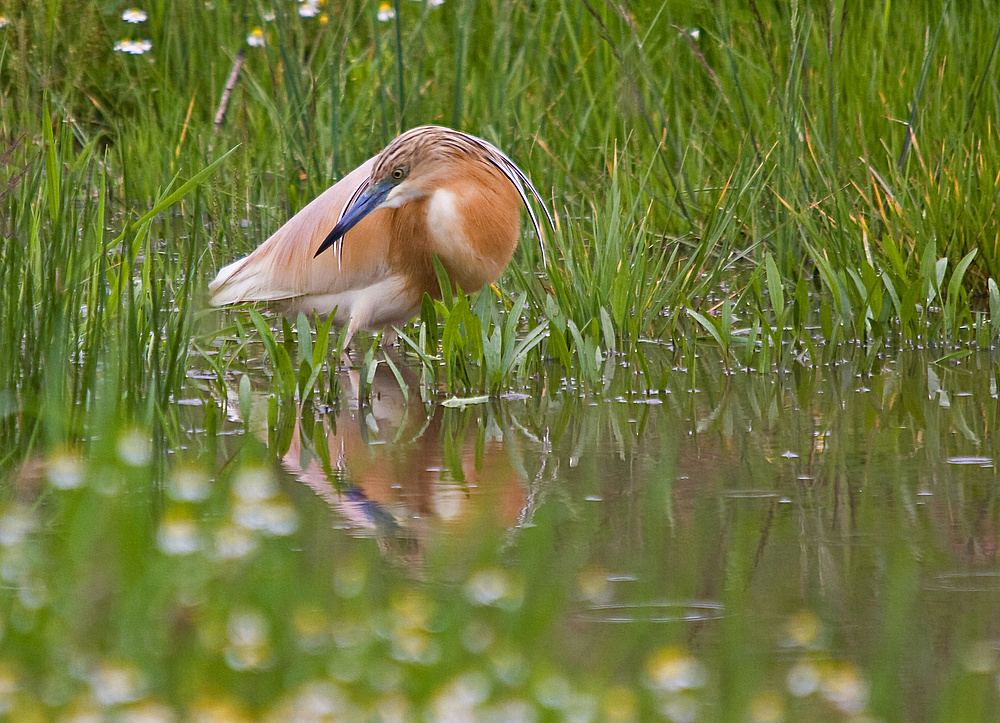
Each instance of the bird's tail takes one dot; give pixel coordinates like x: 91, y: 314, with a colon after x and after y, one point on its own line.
x: 243, y: 281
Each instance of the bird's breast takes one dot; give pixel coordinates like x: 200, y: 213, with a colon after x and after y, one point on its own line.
x: 472, y: 233
x: 445, y: 224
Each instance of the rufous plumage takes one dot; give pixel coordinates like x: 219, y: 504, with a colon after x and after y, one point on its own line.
x: 363, y: 249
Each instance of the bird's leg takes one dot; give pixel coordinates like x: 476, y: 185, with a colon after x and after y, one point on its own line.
x: 345, y: 359
x: 345, y: 355
x: 389, y: 335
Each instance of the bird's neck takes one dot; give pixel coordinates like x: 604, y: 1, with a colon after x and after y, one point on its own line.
x: 471, y: 226
x: 445, y: 224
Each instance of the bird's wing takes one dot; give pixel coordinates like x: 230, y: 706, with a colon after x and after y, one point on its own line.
x: 283, y: 267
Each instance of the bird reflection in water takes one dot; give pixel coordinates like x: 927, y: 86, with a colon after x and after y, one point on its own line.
x: 405, y: 473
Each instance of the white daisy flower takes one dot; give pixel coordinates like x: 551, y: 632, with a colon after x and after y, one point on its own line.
x: 256, y: 38
x: 133, y: 47
x: 134, y: 15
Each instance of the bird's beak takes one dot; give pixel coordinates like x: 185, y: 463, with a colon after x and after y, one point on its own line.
x: 369, y: 200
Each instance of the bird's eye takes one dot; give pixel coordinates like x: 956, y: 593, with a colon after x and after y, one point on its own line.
x: 398, y: 173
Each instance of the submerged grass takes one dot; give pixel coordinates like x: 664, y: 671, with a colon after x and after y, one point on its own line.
x: 772, y: 182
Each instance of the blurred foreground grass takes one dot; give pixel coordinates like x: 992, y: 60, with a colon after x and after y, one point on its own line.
x: 750, y: 551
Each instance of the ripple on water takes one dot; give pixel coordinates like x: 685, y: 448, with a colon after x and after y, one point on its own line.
x: 750, y: 494
x: 665, y: 611
x: 966, y: 581
x: 980, y: 461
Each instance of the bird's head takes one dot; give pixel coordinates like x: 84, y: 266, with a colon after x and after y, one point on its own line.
x: 414, y: 165
x: 410, y: 167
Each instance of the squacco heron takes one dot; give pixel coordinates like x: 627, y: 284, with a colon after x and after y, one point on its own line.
x: 433, y: 190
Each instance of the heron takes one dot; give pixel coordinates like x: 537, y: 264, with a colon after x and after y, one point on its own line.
x: 363, y: 249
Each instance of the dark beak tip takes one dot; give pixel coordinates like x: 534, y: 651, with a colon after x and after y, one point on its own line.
x: 365, y: 204
x: 329, y: 241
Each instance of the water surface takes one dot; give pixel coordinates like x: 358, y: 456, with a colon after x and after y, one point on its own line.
x: 818, y: 546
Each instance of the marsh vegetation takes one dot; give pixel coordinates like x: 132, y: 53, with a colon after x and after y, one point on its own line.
x: 728, y: 453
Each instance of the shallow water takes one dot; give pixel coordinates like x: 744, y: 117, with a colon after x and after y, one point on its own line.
x: 819, y: 546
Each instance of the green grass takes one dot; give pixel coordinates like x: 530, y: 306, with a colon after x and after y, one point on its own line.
x: 783, y: 185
